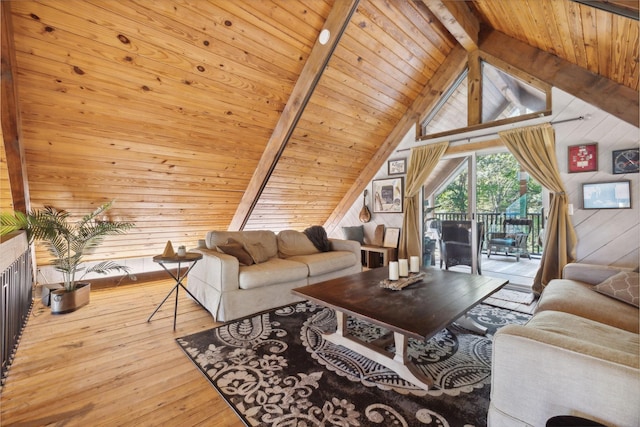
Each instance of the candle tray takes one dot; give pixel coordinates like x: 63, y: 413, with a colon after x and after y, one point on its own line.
x: 403, y: 282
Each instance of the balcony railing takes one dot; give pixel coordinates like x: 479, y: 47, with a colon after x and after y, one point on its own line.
x: 493, y: 222
x: 15, y: 301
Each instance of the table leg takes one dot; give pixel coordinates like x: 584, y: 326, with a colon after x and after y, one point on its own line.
x: 175, y: 288
x: 192, y: 296
x: 341, y: 318
x: 178, y: 279
x: 175, y: 308
x: 398, y: 362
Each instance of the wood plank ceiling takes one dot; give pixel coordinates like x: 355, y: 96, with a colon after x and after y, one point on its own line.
x: 169, y: 107
x: 591, y: 38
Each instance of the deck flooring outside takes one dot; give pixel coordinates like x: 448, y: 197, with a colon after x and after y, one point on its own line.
x: 519, y: 273
x: 106, y: 365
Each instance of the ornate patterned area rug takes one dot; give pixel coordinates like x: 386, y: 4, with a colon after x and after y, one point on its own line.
x: 274, y: 369
x: 524, y: 302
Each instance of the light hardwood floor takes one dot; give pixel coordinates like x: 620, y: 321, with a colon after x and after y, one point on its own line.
x: 106, y: 365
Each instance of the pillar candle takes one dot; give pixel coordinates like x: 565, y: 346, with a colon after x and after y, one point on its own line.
x: 403, y: 267
x: 393, y: 270
x: 414, y: 263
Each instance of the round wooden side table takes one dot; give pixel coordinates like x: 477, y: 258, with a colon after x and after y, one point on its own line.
x: 190, y: 258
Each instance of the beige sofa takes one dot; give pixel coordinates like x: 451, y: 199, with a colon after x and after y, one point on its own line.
x: 577, y: 356
x: 230, y: 290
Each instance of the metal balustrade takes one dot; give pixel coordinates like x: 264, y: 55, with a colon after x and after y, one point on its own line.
x: 16, y: 299
x: 494, y: 220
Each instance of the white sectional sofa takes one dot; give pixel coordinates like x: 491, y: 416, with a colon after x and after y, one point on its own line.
x: 578, y: 356
x: 230, y: 289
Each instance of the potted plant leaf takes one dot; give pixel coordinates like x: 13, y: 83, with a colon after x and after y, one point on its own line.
x: 68, y: 242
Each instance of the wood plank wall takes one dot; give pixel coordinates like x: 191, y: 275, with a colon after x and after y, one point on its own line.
x: 6, y: 203
x: 387, y: 55
x: 167, y: 106
x: 610, y: 236
x: 605, y: 236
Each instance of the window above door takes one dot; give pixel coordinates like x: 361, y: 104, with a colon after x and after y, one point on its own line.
x: 483, y: 96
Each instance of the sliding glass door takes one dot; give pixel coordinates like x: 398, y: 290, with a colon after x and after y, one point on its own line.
x: 480, y: 191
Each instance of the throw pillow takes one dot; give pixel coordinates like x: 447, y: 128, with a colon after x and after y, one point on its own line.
x: 257, y: 251
x: 235, y: 248
x: 622, y: 286
x: 294, y: 243
x: 354, y: 233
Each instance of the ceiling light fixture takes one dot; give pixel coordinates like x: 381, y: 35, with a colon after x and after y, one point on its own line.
x: 324, y: 36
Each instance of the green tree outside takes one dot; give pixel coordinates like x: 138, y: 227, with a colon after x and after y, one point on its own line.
x: 498, y: 187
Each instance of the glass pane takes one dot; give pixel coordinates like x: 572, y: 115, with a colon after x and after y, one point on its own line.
x: 503, y: 190
x: 451, y: 112
x: 504, y: 96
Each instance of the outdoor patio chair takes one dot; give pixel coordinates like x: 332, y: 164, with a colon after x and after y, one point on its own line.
x: 512, y: 239
x: 455, y: 243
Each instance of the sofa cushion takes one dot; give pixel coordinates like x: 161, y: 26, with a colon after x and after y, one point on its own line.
x: 275, y: 270
x: 326, y: 262
x: 292, y: 243
x: 266, y: 237
x: 574, y: 297
x: 354, y: 233
x: 586, y: 337
x: 622, y: 286
x: 236, y: 249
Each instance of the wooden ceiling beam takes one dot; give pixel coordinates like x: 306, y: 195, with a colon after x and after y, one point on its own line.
x: 626, y: 8
x: 614, y: 98
x: 426, y: 100
x: 11, y: 124
x: 336, y: 24
x: 458, y: 19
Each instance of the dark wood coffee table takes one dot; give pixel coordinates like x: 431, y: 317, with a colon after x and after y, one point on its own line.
x: 418, y: 311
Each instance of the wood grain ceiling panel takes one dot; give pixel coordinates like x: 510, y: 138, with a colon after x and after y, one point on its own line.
x: 6, y: 202
x: 602, y: 42
x: 168, y: 106
x: 164, y: 106
x: 384, y: 60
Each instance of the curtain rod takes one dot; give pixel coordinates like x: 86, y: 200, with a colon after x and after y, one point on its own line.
x: 585, y: 117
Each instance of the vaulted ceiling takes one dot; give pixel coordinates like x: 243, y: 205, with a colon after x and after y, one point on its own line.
x: 224, y: 114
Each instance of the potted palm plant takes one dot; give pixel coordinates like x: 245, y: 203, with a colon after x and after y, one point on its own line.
x: 68, y: 242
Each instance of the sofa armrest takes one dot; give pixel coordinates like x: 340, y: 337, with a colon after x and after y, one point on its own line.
x: 590, y: 273
x: 538, y: 372
x: 216, y: 269
x: 346, y: 245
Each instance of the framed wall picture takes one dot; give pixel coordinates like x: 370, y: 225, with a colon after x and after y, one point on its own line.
x: 388, y: 195
x: 625, y: 161
x: 397, y: 167
x: 606, y: 195
x: 391, y: 237
x: 583, y: 158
